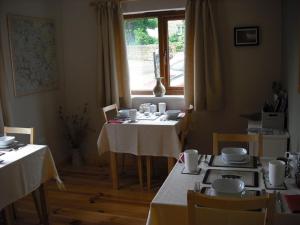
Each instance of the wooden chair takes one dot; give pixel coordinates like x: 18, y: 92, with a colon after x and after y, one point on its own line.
x: 21, y: 130
x: 110, y: 112
x: 185, y: 126
x: 184, y: 130
x: 39, y: 194
x: 247, y: 138
x: 233, y: 211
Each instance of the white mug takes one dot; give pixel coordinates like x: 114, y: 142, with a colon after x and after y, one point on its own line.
x: 132, y: 114
x: 153, y: 108
x: 162, y: 106
x: 276, y: 172
x: 191, y: 160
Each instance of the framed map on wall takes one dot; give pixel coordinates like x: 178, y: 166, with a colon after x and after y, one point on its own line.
x: 33, y: 54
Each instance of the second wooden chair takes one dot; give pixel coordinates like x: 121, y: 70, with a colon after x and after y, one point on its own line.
x: 240, y: 138
x: 204, y: 209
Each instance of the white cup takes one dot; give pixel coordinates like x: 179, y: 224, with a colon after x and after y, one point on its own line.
x: 276, y: 172
x: 132, y: 114
x: 153, y: 108
x: 162, y: 106
x: 191, y: 160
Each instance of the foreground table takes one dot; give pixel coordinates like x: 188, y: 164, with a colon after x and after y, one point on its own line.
x: 143, y: 138
x: 24, y: 171
x: 170, y: 203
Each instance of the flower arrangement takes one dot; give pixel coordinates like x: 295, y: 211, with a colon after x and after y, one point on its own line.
x: 75, y: 126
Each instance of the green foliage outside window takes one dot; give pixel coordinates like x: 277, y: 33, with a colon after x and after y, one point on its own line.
x: 136, y: 31
x: 178, y: 41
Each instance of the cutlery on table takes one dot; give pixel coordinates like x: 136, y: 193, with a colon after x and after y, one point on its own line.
x: 200, y: 159
x: 206, y: 160
x: 279, y: 200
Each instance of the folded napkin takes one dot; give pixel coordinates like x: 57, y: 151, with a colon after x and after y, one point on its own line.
x: 116, y: 121
x: 293, y: 202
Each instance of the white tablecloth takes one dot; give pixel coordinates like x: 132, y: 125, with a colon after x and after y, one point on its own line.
x: 169, y: 206
x: 145, y: 137
x: 23, y: 171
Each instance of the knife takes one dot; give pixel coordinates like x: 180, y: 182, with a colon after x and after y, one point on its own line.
x: 199, y: 159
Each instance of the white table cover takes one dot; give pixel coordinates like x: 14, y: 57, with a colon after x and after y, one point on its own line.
x: 23, y: 171
x: 144, y: 137
x: 169, y: 206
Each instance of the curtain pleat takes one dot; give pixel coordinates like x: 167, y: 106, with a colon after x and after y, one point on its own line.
x: 203, y: 84
x: 2, y: 113
x: 113, y: 75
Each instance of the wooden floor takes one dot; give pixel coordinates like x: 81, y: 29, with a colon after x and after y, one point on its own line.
x: 90, y: 200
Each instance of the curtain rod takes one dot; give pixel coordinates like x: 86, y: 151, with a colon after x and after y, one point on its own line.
x: 94, y: 3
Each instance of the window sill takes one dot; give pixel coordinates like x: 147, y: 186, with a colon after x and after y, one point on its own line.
x: 173, y: 101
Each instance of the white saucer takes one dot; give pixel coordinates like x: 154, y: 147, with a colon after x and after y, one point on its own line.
x: 246, y: 160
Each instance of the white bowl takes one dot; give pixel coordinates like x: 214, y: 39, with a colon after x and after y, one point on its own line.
x: 234, y: 154
x: 225, y: 186
x: 172, y: 114
x: 123, y: 113
x: 6, y: 140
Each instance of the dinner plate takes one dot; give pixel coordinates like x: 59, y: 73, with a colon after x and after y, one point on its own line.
x: 246, y: 160
x: 6, y: 146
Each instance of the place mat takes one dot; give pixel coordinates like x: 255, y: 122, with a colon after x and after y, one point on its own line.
x: 248, y: 193
x: 197, y: 172
x: 249, y: 177
x: 293, y: 202
x: 217, y: 161
x: 270, y: 186
x: 116, y: 121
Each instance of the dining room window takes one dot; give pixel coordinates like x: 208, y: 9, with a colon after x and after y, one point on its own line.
x: 155, y: 48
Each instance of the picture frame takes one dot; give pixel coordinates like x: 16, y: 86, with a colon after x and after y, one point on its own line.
x: 246, y: 36
x: 32, y: 43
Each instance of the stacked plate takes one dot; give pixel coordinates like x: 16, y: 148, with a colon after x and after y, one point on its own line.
x: 6, y: 141
x: 235, y: 155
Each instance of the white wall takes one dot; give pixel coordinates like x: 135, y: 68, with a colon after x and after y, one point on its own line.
x: 38, y: 110
x: 80, y: 57
x: 291, y: 46
x: 248, y: 72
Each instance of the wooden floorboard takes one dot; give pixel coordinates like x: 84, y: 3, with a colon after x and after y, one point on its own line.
x: 89, y: 200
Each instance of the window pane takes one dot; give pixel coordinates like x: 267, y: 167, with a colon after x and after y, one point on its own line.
x: 142, y: 48
x: 176, y: 52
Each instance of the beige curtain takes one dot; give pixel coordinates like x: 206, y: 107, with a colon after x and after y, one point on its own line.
x: 113, y: 76
x: 1, y: 91
x: 1, y: 118
x: 203, y: 84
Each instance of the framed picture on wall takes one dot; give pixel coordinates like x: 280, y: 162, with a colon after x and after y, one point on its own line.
x: 33, y: 54
x: 246, y: 36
